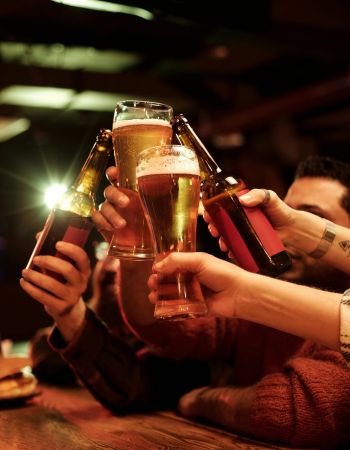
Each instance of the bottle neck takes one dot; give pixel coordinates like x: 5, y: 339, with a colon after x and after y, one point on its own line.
x: 80, y: 198
x: 189, y: 138
x: 90, y: 176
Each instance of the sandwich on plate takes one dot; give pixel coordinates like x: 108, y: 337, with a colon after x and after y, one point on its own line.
x: 16, y: 378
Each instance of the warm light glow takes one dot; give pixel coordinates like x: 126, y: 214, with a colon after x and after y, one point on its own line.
x: 59, y: 98
x: 57, y: 55
x: 48, y: 97
x: 108, y: 7
x: 96, y: 101
x: 53, y: 194
x: 12, y: 126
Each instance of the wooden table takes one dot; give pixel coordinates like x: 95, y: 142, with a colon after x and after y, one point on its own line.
x: 70, y: 418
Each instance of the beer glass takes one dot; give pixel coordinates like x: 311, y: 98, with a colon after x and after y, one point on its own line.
x: 169, y: 183
x: 136, y: 125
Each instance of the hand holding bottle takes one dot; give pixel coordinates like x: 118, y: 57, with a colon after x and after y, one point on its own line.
x: 280, y: 215
x: 62, y: 300
x: 70, y: 219
x: 247, y: 232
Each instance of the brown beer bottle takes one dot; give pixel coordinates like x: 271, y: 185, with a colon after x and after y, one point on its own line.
x: 70, y: 219
x: 246, y: 231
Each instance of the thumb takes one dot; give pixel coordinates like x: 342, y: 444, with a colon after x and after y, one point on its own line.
x: 253, y: 197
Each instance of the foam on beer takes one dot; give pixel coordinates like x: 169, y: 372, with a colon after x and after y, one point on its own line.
x: 169, y: 164
x: 124, y: 123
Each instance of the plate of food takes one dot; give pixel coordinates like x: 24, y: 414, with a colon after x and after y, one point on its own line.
x: 17, y: 382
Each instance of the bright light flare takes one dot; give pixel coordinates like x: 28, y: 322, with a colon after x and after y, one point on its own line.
x: 53, y: 194
x: 109, y: 7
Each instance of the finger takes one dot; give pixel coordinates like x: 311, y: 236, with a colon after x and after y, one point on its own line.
x: 152, y: 282
x: 77, y: 254
x: 232, y: 256
x: 62, y: 267
x: 222, y: 245
x: 177, y: 261
x: 213, y: 230
x: 102, y: 225
x: 48, y: 286
x: 37, y: 293
x: 206, y: 217
x: 153, y: 297
x: 111, y: 216
x: 112, y: 174
x: 116, y: 196
x: 50, y: 302
x: 257, y: 196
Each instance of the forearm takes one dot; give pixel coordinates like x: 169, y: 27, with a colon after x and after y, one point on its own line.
x: 118, y: 378
x: 306, y: 233
x: 70, y: 321
x: 306, y: 312
x: 105, y: 364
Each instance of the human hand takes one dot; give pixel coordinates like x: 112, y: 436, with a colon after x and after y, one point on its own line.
x: 110, y: 214
x: 60, y: 300
x: 227, y: 406
x: 222, y: 282
x: 280, y: 215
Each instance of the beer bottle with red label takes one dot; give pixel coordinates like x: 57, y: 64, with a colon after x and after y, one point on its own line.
x: 246, y: 231
x: 70, y: 219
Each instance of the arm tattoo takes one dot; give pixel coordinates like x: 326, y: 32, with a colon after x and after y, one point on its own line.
x: 345, y: 246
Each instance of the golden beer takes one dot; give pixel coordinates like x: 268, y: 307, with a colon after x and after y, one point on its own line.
x: 137, y: 125
x: 130, y: 137
x: 169, y: 185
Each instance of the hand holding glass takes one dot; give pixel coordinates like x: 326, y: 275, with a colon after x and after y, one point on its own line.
x: 169, y: 185
x: 137, y: 125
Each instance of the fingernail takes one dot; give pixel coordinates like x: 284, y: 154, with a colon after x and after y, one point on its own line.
x: 245, y: 197
x: 120, y: 223
x: 123, y: 201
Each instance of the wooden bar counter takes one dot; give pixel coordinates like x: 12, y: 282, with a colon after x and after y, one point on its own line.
x: 70, y: 418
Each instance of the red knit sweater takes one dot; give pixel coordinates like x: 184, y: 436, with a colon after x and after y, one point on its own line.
x: 303, y: 390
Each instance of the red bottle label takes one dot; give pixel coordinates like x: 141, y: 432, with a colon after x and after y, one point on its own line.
x: 234, y: 240
x: 263, y: 228
x: 60, y: 226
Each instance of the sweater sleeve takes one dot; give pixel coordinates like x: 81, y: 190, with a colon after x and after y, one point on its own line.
x: 119, y: 378
x: 307, y: 404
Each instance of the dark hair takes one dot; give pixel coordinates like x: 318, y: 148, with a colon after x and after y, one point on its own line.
x: 326, y: 167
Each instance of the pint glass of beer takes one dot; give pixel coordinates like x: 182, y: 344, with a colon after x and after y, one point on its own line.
x: 137, y: 125
x: 169, y: 184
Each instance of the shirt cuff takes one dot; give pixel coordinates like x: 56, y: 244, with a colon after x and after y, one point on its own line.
x: 90, y: 336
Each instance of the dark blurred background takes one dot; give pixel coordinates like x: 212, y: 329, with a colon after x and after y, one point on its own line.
x: 264, y: 82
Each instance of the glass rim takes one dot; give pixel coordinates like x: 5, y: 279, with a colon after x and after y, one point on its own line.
x: 155, y: 106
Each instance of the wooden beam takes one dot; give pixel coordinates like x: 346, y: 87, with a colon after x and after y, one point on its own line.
x: 295, y: 102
